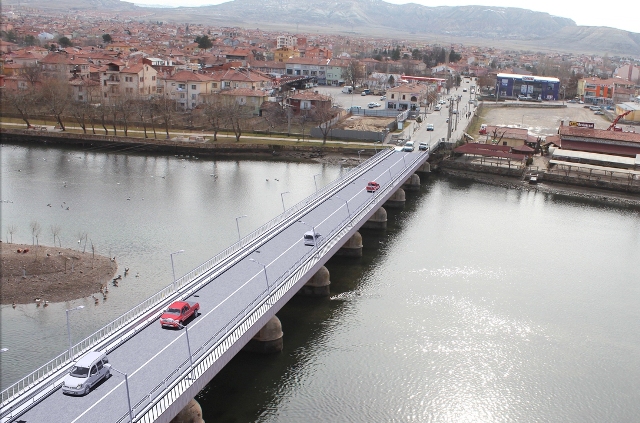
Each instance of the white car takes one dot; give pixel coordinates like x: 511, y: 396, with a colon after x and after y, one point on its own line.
x: 408, y: 146
x: 430, y: 127
x: 311, y: 238
x: 384, y: 97
x: 88, y: 371
x: 371, y: 105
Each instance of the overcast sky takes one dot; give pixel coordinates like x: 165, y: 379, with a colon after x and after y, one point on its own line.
x: 614, y: 15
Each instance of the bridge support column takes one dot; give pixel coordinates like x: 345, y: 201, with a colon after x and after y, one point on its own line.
x: 425, y: 168
x: 377, y: 221
x: 318, y: 286
x: 397, y: 200
x: 268, y: 340
x: 352, y: 248
x: 192, y: 413
x: 412, y: 184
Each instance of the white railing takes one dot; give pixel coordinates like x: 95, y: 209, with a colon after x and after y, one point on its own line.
x: 151, y: 304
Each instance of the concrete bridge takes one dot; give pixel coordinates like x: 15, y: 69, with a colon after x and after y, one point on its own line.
x: 158, y: 371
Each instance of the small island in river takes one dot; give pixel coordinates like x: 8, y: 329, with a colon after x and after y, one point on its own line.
x: 39, y: 274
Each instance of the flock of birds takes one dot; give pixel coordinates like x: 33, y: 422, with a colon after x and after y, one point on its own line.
x: 104, y: 290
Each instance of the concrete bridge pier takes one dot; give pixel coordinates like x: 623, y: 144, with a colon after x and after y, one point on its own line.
x: 352, y: 248
x: 192, y: 413
x: 425, y: 168
x: 412, y: 184
x: 397, y: 200
x: 377, y: 221
x: 318, y: 286
x: 268, y: 340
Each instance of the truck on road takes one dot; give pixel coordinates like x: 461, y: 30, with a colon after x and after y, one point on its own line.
x: 178, y: 312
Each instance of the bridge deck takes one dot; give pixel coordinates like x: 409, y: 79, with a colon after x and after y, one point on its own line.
x: 238, y: 300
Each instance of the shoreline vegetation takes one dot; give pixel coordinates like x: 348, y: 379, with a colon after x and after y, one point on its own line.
x: 43, y: 274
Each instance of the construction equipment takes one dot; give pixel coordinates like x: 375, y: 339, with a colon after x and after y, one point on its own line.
x: 613, y: 127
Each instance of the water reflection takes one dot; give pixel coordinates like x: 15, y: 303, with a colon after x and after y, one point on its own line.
x: 477, y: 304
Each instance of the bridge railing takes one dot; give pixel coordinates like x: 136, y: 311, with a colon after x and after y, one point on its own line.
x: 58, y: 363
x: 177, y: 382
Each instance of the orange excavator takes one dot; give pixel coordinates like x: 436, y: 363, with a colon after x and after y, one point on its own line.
x: 613, y: 126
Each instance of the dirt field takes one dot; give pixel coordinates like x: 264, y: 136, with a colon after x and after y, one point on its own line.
x: 364, y: 123
x: 45, y: 273
x: 540, y: 121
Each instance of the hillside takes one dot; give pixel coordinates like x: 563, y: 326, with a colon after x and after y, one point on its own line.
x: 481, y: 25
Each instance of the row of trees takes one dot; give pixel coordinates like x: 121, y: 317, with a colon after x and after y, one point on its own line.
x: 52, y: 97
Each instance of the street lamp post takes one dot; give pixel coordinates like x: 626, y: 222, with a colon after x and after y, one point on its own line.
x: 359, y: 151
x: 186, y: 331
x: 69, y: 327
x: 172, y: 268
x: 238, y: 225
x: 282, y: 198
x: 126, y: 383
x: 314, y: 180
x: 346, y: 202
x: 264, y: 268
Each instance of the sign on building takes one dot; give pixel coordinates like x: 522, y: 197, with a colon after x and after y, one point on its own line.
x: 589, y: 125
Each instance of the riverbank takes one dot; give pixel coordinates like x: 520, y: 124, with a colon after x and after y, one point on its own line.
x: 574, y: 191
x: 50, y: 274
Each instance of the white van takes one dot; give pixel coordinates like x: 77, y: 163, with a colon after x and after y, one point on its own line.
x: 88, y: 371
x: 347, y: 89
x: 310, y: 238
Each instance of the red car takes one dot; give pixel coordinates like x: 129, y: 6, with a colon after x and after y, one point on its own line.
x: 177, y: 313
x: 373, y: 186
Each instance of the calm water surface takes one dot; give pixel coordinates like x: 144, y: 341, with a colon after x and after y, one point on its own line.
x: 477, y: 304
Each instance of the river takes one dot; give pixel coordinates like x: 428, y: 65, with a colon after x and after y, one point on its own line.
x: 477, y: 304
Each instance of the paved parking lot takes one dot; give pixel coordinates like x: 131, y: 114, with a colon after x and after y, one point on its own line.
x: 347, y: 100
x: 541, y: 121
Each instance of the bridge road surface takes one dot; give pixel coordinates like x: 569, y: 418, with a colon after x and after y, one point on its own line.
x: 153, y: 353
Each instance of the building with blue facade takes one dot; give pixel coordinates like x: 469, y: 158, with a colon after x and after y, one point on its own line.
x: 534, y: 87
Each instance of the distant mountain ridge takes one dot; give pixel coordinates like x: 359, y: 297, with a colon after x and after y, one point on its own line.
x: 484, y: 25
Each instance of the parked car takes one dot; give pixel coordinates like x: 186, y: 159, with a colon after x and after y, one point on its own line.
x: 371, y: 105
x: 373, y: 186
x: 599, y: 112
x: 383, y: 97
x: 464, y: 90
x: 311, y: 237
x: 437, y: 108
x: 525, y: 97
x: 572, y: 101
x: 179, y: 312
x: 423, y: 146
x: 408, y: 146
x: 87, y: 372
x: 429, y: 126
x: 594, y: 108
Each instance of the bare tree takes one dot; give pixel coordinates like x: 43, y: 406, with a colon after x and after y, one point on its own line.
x: 24, y: 101
x: 324, y: 115
x: 56, y: 97
x: 142, y: 111
x: 114, y: 112
x: 126, y: 106
x: 103, y: 112
x: 35, y: 231
x: 80, y: 113
x: 11, y: 230
x: 55, y: 231
x: 214, y: 113
x: 165, y: 110
x: 237, y: 116
x: 32, y: 73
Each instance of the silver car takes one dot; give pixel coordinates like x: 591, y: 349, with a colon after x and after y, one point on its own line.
x: 88, y: 371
